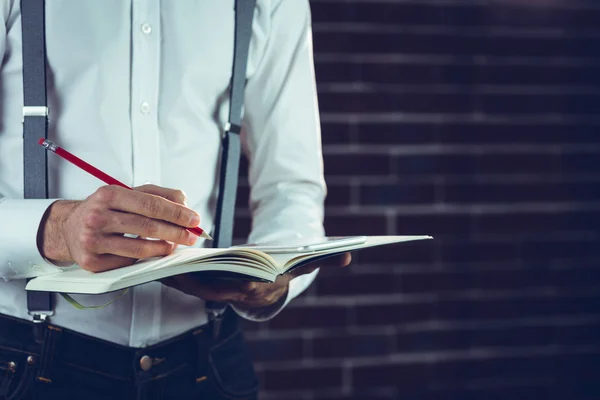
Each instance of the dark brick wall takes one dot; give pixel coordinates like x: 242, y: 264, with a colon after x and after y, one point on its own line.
x: 477, y: 122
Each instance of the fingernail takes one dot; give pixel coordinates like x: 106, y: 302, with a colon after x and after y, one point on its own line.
x: 192, y: 238
x: 194, y: 220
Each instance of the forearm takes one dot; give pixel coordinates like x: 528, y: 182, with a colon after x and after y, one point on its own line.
x: 51, y: 237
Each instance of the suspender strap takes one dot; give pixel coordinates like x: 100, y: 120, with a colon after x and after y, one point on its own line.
x: 35, y: 124
x: 231, y: 144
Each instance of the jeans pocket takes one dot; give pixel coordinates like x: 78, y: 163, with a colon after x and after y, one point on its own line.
x: 231, y: 368
x: 16, y: 374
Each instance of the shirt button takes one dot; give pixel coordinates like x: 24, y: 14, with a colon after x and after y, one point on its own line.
x: 146, y: 29
x: 145, y: 107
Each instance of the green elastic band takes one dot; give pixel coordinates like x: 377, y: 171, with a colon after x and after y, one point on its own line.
x: 79, y: 306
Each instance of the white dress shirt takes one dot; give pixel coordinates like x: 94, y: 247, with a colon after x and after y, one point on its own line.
x: 140, y: 90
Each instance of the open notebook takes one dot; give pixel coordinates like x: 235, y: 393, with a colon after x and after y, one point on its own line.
x: 245, y: 262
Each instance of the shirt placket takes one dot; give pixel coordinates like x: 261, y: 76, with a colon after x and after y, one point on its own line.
x: 145, y: 63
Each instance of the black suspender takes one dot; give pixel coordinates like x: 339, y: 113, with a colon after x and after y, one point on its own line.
x: 230, y: 157
x: 35, y: 125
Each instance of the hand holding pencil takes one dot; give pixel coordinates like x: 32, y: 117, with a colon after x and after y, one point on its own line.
x: 90, y: 232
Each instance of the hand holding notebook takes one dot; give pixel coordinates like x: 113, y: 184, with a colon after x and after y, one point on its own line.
x: 246, y: 262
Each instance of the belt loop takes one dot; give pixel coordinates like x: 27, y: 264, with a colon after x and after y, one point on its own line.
x: 203, y: 342
x: 51, y: 341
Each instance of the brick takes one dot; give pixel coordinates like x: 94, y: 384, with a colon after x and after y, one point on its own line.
x: 477, y: 133
x: 545, y: 250
x: 539, y: 222
x: 406, y: 101
x: 456, y: 72
x: 435, y: 224
x: 384, y: 314
x: 355, y: 225
x: 397, y: 133
x: 344, y: 346
x: 453, y: 43
x: 435, y: 164
x: 503, y: 279
x: 477, y: 309
x: 357, y: 164
x: 276, y: 349
x: 395, y: 13
x: 411, y: 101
x: 460, y: 372
x: 510, y: 337
x: 403, y: 376
x: 494, y: 309
x: 302, y: 378
x: 472, y: 252
x: 544, y: 164
x: 535, y: 74
x: 397, y: 194
x: 580, y: 162
x: 456, y: 14
x: 335, y: 133
x: 352, y: 284
x: 417, y: 252
x: 532, y: 163
x: 309, y: 317
x: 522, y: 103
x: 338, y: 195
x: 510, y: 193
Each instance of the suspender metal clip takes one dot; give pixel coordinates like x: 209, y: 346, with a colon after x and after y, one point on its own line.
x: 34, y: 111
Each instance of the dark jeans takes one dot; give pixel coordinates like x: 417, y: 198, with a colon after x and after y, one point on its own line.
x: 63, y: 364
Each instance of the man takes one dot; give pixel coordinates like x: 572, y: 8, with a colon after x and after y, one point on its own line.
x: 140, y: 89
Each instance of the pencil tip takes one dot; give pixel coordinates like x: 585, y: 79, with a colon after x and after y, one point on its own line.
x: 206, y: 236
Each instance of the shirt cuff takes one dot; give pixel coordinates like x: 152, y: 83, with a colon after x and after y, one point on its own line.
x: 19, y: 254
x: 296, y: 286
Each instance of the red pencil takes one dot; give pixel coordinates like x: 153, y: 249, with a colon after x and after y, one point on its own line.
x: 100, y: 175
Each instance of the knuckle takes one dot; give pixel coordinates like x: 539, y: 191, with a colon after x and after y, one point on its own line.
x: 94, y: 219
x: 183, y: 236
x: 151, y: 206
x: 180, y: 197
x: 105, y: 194
x: 89, y: 262
x: 251, y: 288
x: 139, y: 249
x: 178, y: 215
x: 88, y: 241
x: 149, y: 227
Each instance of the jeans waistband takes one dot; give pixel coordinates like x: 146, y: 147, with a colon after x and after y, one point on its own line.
x: 105, y: 358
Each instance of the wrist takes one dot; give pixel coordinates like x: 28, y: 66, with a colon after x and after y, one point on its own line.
x: 51, y: 233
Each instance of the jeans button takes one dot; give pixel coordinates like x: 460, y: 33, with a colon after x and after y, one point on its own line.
x: 146, y: 363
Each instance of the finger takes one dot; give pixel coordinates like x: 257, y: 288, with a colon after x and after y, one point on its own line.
x: 176, y: 196
x: 148, y: 205
x: 132, y: 247
x: 104, y: 262
x: 341, y: 260
x: 119, y: 222
x: 303, y: 270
